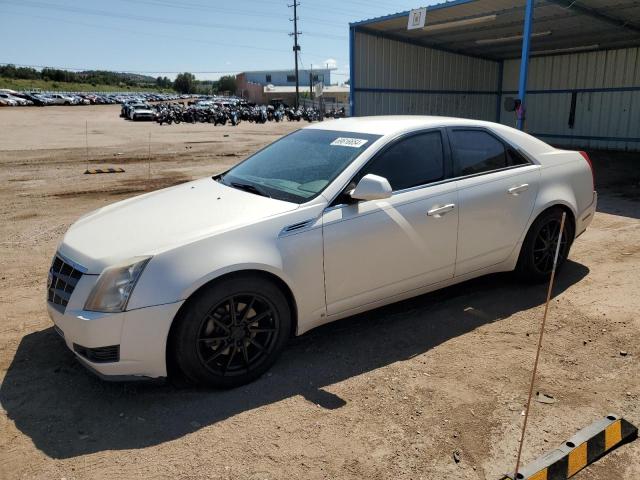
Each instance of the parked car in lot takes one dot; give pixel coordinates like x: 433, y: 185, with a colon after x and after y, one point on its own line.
x: 141, y: 111
x: 208, y: 279
x: 15, y: 100
x: 7, y: 100
x: 35, y: 100
x: 60, y: 99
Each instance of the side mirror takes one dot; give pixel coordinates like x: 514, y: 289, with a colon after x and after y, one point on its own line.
x: 371, y: 187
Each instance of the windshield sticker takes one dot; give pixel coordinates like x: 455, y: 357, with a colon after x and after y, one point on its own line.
x: 349, y: 142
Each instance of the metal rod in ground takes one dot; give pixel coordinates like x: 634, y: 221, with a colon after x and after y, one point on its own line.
x: 535, y: 363
x: 149, y: 161
x: 86, y: 140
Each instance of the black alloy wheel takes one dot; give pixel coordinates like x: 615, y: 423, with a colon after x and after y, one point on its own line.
x: 238, y: 334
x: 229, y: 332
x: 535, y: 262
x: 546, y: 242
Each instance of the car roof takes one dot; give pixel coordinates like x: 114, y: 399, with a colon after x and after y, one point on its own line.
x: 392, y: 125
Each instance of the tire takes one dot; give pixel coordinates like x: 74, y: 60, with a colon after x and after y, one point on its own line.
x: 209, y: 349
x: 538, y: 249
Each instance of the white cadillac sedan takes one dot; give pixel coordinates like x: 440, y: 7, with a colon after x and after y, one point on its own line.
x: 207, y: 280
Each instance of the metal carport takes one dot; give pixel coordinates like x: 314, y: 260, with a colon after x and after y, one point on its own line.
x: 583, y: 71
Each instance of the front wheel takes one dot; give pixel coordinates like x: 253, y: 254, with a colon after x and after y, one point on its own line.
x: 539, y: 247
x: 231, y: 332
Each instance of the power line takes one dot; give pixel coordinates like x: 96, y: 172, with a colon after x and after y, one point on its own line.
x: 155, y: 20
x: 148, y: 34
x: 218, y: 10
x: 319, y: 9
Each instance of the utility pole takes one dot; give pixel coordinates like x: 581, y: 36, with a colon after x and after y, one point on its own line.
x: 311, y: 82
x: 296, y: 47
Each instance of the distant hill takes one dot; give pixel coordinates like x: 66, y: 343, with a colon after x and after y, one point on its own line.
x: 94, y: 78
x: 126, y: 77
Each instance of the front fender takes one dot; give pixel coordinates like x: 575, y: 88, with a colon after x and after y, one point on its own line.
x: 295, y: 258
x: 239, y: 267
x: 174, y: 275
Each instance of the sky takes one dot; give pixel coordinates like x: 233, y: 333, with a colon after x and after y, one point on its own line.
x: 209, y: 38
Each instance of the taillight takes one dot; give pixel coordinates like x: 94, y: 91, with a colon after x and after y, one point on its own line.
x: 593, y: 177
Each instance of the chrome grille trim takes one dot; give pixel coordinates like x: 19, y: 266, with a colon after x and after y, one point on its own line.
x: 75, y: 265
x: 64, y: 275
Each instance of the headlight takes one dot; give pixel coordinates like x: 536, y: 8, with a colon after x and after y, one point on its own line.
x: 114, y: 286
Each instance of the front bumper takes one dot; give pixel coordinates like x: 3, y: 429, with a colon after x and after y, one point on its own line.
x: 141, y: 335
x: 144, y: 116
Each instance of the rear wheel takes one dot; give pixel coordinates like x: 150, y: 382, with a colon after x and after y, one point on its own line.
x: 538, y: 250
x: 231, y: 332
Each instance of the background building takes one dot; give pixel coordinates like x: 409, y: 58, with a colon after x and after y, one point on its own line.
x: 264, y: 86
x: 281, y: 78
x: 583, y: 75
x: 334, y: 96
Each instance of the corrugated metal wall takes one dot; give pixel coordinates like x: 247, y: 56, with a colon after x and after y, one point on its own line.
x: 607, y: 89
x: 392, y: 77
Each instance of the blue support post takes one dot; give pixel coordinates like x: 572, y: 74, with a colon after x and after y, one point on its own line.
x: 352, y: 61
x: 524, y: 60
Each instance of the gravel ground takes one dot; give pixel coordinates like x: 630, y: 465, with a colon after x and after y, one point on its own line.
x: 392, y: 393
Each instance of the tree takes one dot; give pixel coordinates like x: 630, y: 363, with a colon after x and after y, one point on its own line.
x: 185, y: 82
x: 227, y: 83
x: 163, y: 82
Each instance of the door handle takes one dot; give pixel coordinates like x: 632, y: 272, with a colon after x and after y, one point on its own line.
x: 439, y: 211
x: 519, y: 189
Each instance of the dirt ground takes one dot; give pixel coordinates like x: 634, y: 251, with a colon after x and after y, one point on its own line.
x: 392, y: 393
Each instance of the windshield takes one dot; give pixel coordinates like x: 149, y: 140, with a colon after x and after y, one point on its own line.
x: 299, y: 166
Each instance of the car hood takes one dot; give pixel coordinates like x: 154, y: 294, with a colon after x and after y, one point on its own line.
x: 158, y: 221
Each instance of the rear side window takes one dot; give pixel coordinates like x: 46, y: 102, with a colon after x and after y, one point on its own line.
x: 515, y: 158
x: 416, y: 160
x: 476, y: 151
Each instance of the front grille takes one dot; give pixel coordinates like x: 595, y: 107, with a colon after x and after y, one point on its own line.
x: 99, y: 354
x: 63, y: 278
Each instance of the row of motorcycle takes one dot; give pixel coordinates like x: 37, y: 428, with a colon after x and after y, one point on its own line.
x: 234, y: 114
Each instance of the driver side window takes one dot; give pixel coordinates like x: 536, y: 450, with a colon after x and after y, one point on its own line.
x: 410, y: 162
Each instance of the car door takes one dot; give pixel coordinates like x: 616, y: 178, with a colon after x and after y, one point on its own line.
x: 497, y: 188
x: 381, y: 248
